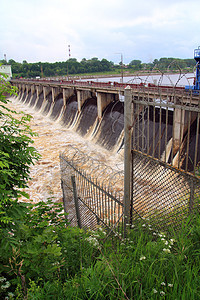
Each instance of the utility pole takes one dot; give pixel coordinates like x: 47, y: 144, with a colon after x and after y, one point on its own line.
x: 69, y: 52
x: 122, y: 67
x: 122, y: 71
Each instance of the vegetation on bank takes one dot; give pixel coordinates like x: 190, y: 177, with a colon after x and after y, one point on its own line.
x: 43, y: 257
x: 94, y: 65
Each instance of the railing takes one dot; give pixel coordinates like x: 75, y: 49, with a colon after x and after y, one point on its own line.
x: 138, y: 87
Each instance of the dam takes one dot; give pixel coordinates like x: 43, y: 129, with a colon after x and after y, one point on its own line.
x: 95, y: 111
x: 165, y: 131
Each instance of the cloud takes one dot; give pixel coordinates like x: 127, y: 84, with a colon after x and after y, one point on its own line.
x: 42, y: 30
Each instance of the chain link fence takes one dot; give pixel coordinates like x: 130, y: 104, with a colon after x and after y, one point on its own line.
x: 88, y: 202
x: 161, y: 195
x: 162, y: 144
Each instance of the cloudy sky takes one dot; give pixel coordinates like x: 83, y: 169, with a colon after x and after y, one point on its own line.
x: 41, y: 30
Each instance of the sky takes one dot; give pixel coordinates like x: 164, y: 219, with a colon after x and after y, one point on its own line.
x: 42, y: 30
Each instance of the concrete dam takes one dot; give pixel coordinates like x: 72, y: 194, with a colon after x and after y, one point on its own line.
x: 64, y: 106
x: 161, y: 132
x: 96, y: 113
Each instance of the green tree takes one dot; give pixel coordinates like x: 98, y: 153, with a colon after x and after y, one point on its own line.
x: 16, y: 153
x: 136, y: 64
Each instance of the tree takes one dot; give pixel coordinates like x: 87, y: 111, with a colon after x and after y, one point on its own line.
x: 136, y: 64
x: 16, y: 152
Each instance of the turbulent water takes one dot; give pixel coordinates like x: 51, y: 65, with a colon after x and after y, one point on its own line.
x: 52, y: 139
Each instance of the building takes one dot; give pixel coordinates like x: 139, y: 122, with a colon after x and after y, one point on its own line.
x: 6, y: 69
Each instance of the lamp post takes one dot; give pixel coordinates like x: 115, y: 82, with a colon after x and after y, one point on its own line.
x: 67, y: 62
x: 122, y: 71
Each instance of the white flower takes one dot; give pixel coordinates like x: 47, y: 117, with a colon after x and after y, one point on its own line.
x: 161, y: 234
x: 163, y: 283
x: 166, y: 250
x: 172, y: 241
x: 162, y: 293
x: 143, y: 225
x: 7, y: 284
x: 154, y: 233
x: 11, y: 295
x: 142, y: 257
x: 155, y: 291
x: 93, y: 241
x: 166, y: 243
x: 170, y: 284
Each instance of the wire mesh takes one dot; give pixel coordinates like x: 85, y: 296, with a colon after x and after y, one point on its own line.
x: 93, y: 167
x: 165, y: 155
x: 161, y: 194
x: 98, y: 205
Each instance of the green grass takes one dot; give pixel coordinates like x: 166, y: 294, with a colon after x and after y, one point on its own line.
x: 42, y: 257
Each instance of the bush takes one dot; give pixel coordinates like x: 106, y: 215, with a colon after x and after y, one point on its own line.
x: 16, y: 154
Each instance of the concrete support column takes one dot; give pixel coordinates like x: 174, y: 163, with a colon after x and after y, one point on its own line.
x: 19, y: 86
x: 66, y: 94
x: 28, y: 88
x: 103, y: 99
x: 32, y: 89
x: 179, y: 128
x: 55, y: 92
x: 23, y: 88
x: 82, y: 96
x: 46, y: 91
x: 39, y: 90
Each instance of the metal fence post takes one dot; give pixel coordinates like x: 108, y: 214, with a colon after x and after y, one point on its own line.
x: 127, y: 155
x: 64, y: 199
x: 191, y: 201
x: 76, y: 201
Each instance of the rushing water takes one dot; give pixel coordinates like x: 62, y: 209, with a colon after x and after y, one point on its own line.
x: 99, y: 139
x: 52, y: 139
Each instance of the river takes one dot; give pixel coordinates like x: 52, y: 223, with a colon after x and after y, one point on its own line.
x: 53, y: 139
x: 180, y: 79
